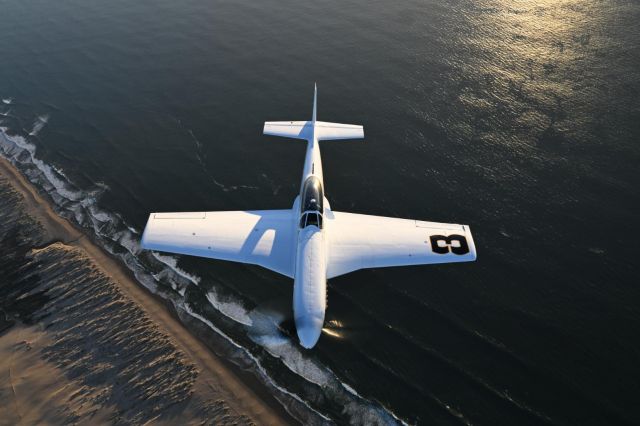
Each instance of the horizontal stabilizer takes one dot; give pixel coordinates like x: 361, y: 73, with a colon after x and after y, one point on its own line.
x: 289, y: 129
x: 304, y: 130
x: 334, y: 131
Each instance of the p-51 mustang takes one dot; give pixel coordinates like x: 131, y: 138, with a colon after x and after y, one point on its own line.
x: 309, y: 242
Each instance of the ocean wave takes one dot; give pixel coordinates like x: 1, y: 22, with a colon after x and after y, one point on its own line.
x: 81, y: 207
x: 229, y: 308
x: 267, y: 334
x: 151, y: 269
x: 172, y: 263
x: 38, y: 124
x: 7, y: 101
x: 255, y: 360
x: 14, y: 148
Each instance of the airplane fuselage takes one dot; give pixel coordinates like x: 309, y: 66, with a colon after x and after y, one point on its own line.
x: 310, y: 276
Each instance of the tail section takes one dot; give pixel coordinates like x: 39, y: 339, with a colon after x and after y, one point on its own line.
x: 308, y: 130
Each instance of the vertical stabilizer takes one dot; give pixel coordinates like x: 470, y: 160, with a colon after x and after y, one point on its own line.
x: 315, y: 101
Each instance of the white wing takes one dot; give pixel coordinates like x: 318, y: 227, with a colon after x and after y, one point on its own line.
x: 264, y: 238
x: 357, y: 241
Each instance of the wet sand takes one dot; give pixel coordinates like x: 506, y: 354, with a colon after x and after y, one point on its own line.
x: 81, y: 340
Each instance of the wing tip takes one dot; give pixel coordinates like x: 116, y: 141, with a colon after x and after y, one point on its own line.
x: 472, y: 244
x: 144, y: 243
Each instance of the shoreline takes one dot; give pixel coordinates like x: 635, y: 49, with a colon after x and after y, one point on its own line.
x: 240, y: 390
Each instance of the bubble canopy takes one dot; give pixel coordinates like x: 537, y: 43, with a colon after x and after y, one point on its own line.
x: 311, y: 205
x: 312, y: 195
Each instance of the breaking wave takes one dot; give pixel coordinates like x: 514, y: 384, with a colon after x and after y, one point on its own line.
x: 159, y: 273
x: 40, y: 122
x: 266, y: 333
x: 260, y: 368
x: 229, y: 308
x: 172, y: 263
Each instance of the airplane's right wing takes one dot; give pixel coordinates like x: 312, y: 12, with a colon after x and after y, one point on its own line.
x: 357, y: 241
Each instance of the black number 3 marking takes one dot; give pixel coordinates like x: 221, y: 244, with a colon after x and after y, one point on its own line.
x: 457, y: 244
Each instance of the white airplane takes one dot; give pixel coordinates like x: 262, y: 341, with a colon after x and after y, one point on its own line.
x: 309, y: 242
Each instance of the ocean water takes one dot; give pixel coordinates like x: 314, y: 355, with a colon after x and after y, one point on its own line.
x: 521, y: 119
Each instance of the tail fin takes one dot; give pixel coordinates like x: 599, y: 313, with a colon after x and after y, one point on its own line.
x: 315, y: 102
x: 323, y: 130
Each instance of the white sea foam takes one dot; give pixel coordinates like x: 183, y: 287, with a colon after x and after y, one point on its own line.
x: 40, y: 122
x: 293, y: 358
x: 127, y: 241
x: 100, y: 215
x: 257, y: 362
x: 7, y: 101
x: 267, y: 334
x: 172, y: 263
x: 51, y: 175
x: 60, y: 172
x: 351, y: 390
x: 231, y: 309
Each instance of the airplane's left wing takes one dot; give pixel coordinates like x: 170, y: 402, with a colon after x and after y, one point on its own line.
x: 261, y: 237
x: 357, y: 241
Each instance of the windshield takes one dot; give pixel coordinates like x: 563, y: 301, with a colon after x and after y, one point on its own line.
x: 312, y: 195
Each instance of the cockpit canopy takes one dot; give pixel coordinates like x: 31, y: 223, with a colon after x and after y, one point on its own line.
x: 312, y: 195
x: 311, y: 204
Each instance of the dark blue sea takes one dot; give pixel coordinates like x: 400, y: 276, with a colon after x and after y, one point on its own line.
x: 518, y: 118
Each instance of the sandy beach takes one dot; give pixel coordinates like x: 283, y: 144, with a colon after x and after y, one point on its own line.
x: 81, y: 341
